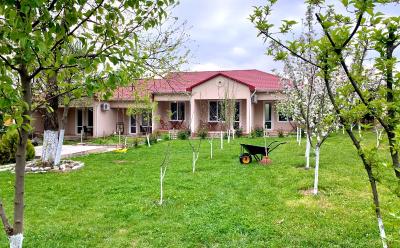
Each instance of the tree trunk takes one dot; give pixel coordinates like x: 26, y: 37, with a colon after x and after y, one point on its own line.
x: 308, y: 149
x: 16, y: 240
x: 299, y: 136
x: 61, y: 135
x: 211, y: 149
x: 51, y: 126
x: 377, y: 205
x: 367, y: 166
x: 161, y: 185
x: 50, y: 144
x: 60, y: 142
x: 18, y: 227
x: 148, y: 140
x: 222, y: 140
x: 317, y: 150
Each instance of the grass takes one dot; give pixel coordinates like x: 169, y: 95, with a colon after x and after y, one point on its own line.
x: 112, y: 201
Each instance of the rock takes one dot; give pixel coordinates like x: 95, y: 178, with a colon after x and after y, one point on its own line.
x: 76, y: 167
x: 56, y: 168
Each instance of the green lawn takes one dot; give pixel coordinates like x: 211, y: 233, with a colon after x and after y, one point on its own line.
x: 112, y: 201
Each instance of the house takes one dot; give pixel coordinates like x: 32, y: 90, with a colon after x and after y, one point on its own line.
x: 185, y: 100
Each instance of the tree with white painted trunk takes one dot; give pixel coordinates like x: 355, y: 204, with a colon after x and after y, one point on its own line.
x: 210, y: 141
x: 305, y: 96
x: 34, y: 31
x: 163, y: 170
x: 346, y: 40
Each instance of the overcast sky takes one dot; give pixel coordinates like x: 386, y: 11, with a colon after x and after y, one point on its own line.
x: 223, y: 36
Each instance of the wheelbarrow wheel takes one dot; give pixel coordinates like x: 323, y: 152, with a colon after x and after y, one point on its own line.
x: 245, y: 158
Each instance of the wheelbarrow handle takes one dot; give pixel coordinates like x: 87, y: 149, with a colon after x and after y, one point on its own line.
x: 273, y: 148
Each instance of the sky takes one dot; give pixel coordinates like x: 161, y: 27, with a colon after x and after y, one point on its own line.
x: 223, y: 38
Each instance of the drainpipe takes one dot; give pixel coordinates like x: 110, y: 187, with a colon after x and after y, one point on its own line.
x: 250, y: 122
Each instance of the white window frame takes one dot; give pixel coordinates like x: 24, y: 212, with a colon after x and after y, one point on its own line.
x: 272, y: 115
x: 208, y: 112
x: 177, y: 110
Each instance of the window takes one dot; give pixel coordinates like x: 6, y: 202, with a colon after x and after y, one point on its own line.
x: 215, y: 111
x: 132, y: 127
x: 283, y: 117
x: 177, y: 111
x: 146, y: 123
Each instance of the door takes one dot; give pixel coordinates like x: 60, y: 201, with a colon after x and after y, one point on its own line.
x: 268, y: 116
x: 84, y: 120
x: 79, y: 120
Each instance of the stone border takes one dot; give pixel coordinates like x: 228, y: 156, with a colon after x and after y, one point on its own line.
x: 31, y: 167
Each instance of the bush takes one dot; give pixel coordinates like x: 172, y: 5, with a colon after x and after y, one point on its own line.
x: 8, y: 148
x: 258, y: 132
x: 165, y: 137
x: 183, y: 135
x: 281, y: 134
x: 202, y: 133
x: 136, y: 142
x: 239, y: 132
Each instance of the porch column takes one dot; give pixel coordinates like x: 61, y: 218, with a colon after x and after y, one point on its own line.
x: 249, y: 115
x: 153, y: 120
x: 193, y: 117
x: 96, y: 108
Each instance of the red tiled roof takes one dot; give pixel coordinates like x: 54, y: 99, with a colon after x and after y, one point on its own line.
x: 185, y: 81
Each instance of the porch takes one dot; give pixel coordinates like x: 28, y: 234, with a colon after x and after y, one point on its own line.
x: 199, y: 114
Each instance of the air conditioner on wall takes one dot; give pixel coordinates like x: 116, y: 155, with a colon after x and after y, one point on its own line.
x: 254, y: 99
x: 105, y: 106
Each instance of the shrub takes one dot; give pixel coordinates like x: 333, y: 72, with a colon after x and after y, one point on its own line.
x: 202, y: 133
x: 136, y: 142
x: 8, y: 148
x: 258, y: 132
x: 183, y: 134
x: 281, y: 134
x: 165, y: 137
x: 239, y: 132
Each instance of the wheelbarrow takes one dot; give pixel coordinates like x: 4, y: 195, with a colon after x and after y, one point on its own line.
x: 248, y: 152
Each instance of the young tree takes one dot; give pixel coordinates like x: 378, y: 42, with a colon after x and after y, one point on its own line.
x: 34, y: 33
x: 163, y: 170
x: 306, y: 96
x: 342, y: 36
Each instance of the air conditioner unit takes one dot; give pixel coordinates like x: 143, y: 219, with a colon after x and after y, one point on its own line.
x: 254, y: 99
x: 105, y: 106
